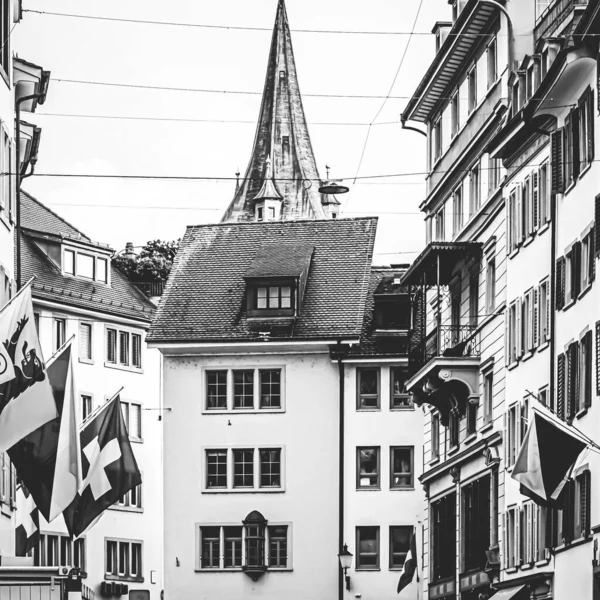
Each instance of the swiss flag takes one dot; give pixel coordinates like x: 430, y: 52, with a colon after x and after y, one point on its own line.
x: 109, y: 468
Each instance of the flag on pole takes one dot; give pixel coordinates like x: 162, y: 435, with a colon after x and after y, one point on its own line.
x: 27, y: 530
x: 26, y: 400
x: 48, y: 460
x: 545, y: 460
x: 410, y: 563
x: 109, y: 467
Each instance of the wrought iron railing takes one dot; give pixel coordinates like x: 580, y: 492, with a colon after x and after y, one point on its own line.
x: 449, y: 341
x: 150, y: 288
x: 551, y: 19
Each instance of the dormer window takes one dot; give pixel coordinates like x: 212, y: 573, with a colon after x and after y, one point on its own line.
x: 85, y: 265
x: 273, y: 297
x: 259, y: 213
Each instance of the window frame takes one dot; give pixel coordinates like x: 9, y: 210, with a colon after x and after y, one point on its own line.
x: 403, y: 398
x: 377, y: 553
x: 59, y: 331
x: 119, y: 332
x: 411, y: 473
x: 127, y: 574
x: 89, y: 359
x: 377, y: 474
x: 398, y: 566
x: 360, y: 396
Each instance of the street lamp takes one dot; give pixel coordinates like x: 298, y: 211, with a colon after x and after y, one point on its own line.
x: 345, y: 557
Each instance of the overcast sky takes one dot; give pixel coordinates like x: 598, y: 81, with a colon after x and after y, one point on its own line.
x: 221, y: 59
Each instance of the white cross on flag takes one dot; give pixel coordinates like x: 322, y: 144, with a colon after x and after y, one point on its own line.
x: 108, y: 466
x: 27, y: 527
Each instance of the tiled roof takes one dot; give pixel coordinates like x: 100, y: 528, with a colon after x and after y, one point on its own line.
x: 205, y: 297
x: 372, y: 345
x: 36, y: 216
x: 277, y: 261
x: 121, y: 298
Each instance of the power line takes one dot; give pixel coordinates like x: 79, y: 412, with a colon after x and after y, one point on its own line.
x: 248, y: 28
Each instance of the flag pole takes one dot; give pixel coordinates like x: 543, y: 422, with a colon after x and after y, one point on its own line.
x: 60, y: 349
x: 100, y: 408
x: 17, y: 294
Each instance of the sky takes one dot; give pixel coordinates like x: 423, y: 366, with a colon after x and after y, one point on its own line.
x: 210, y: 134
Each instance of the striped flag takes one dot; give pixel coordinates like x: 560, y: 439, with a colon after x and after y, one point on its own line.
x: 27, y: 529
x: 410, y: 563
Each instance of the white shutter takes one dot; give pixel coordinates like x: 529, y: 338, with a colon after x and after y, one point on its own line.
x: 536, y: 530
x: 518, y: 544
x: 536, y: 317
x: 536, y: 201
x: 519, y: 215
x: 504, y: 540
x: 85, y: 341
x: 135, y: 420
x: 519, y: 329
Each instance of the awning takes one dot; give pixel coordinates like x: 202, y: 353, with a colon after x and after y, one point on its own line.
x: 440, y: 257
x: 511, y: 593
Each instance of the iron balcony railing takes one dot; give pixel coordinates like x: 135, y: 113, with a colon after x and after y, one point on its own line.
x: 150, y: 288
x: 449, y: 341
x: 552, y: 18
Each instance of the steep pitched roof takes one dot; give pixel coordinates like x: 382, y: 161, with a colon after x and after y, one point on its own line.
x: 205, y: 297
x: 121, y: 298
x: 281, y: 135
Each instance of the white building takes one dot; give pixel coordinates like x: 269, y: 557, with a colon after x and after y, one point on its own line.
x: 76, y: 292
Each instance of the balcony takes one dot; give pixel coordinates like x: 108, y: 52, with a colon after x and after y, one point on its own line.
x: 552, y: 19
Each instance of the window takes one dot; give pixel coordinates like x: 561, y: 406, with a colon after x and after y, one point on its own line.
x: 571, y: 170
x: 472, y: 89
x: 490, y: 286
x: 367, y: 475
x: 400, y: 398
x: 514, y: 344
x: 583, y: 383
x: 367, y: 548
x: 273, y: 297
x: 259, y: 213
x: 86, y: 406
x: 216, y: 389
x: 59, y: 332
x: 575, y: 515
x: 458, y: 211
x: 544, y: 194
x: 102, y: 270
x: 513, y: 434
x: 222, y: 547
x: 368, y: 388
x: 472, y: 409
x: 435, y: 436
x: 243, y: 468
x: 586, y: 129
x: 55, y: 550
x: 216, y: 469
x: 527, y: 319
x: 270, y: 468
x: 440, y: 228
x: 494, y: 165
x: 454, y: 116
x: 401, y: 467
x: 488, y: 396
x: 123, y: 349
x: 474, y: 190
x: 492, y: 63
x: 85, y: 265
x: 436, y: 142
x: 544, y: 311
x: 132, y: 499
x: 474, y: 298
x: 453, y: 430
x: 243, y: 389
x: 69, y: 262
x: 443, y: 537
x: 85, y: 341
x: 270, y: 388
x: 5, y: 36
x: 123, y: 559
x: 399, y: 544
x: 392, y: 312
x: 513, y: 538
x: 475, y: 523
x: 132, y: 415
x: 526, y: 205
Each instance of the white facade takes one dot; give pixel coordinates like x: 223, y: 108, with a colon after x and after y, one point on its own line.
x: 100, y: 380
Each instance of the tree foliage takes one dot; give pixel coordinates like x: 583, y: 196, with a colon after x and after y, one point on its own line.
x: 152, y: 264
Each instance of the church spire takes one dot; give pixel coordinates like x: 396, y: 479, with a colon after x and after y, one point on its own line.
x: 281, y: 137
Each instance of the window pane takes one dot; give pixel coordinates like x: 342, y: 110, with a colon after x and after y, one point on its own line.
x: 85, y: 341
x: 136, y: 350
x: 59, y: 333
x: 270, y: 388
x: 69, y: 262
x: 286, y: 297
x: 216, y: 468
x: 401, y: 464
x: 243, y: 468
x: 270, y: 468
x: 243, y: 389
x: 135, y: 420
x: 123, y: 567
x: 216, y: 389
x: 123, y: 347
x: 233, y: 547
x: 86, y: 406
x: 261, y: 297
x: 399, y: 545
x: 368, y: 467
x: 85, y: 266
x: 136, y: 560
x: 65, y: 551
x: 278, y: 546
x: 400, y: 397
x: 111, y: 557
x: 368, y: 382
x: 273, y: 297
x: 367, y: 544
x: 102, y: 270
x: 79, y: 554
x: 111, y: 345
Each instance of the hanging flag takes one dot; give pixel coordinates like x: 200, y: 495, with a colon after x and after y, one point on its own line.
x: 410, y: 563
x: 26, y: 400
x: 545, y: 460
x: 109, y: 467
x: 48, y: 460
x: 27, y: 529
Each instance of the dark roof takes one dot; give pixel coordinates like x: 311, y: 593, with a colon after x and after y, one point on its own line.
x: 36, y: 216
x: 278, y: 261
x: 205, y: 297
x: 121, y: 298
x: 372, y: 345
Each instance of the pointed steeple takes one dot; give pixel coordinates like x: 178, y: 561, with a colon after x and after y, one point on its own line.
x: 281, y: 136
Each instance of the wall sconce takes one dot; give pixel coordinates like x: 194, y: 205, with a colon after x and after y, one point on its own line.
x: 345, y: 557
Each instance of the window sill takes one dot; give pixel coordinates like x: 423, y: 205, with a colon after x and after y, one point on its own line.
x: 117, y: 367
x: 511, y: 570
x: 247, y: 490
x: 363, y: 409
x: 401, y: 408
x: 573, y: 544
x: 542, y: 563
x: 529, y: 240
x: 514, y: 253
x: 367, y: 569
x: 123, y: 578
x: 470, y: 438
x: 370, y: 489
x: 241, y: 411
x: 527, y: 356
x: 581, y: 413
x: 513, y: 365
x: 544, y: 228
x: 136, y: 440
x: 526, y: 566
x: 86, y: 361
x: 569, y: 304
x: 585, y: 169
x: 543, y: 346
x: 452, y: 450
x: 487, y: 427
x: 571, y: 186
x: 408, y: 488
x: 127, y: 509
x: 434, y: 461
x: 583, y: 292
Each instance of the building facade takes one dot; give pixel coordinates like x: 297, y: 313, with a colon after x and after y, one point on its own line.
x: 78, y: 294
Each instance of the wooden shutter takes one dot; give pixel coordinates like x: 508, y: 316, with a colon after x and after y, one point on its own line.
x: 560, y: 386
x: 568, y: 512
x: 576, y: 271
x: 590, y: 125
x: 548, y: 309
x: 536, y: 317
x: 587, y: 384
x: 536, y: 201
x: 592, y: 255
x: 560, y: 283
x: 575, y: 141
x: 519, y: 541
x: 505, y: 560
x: 519, y: 329
x: 598, y: 358
x: 572, y: 381
x: 558, y: 175
x: 585, y: 508
x: 597, y: 223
